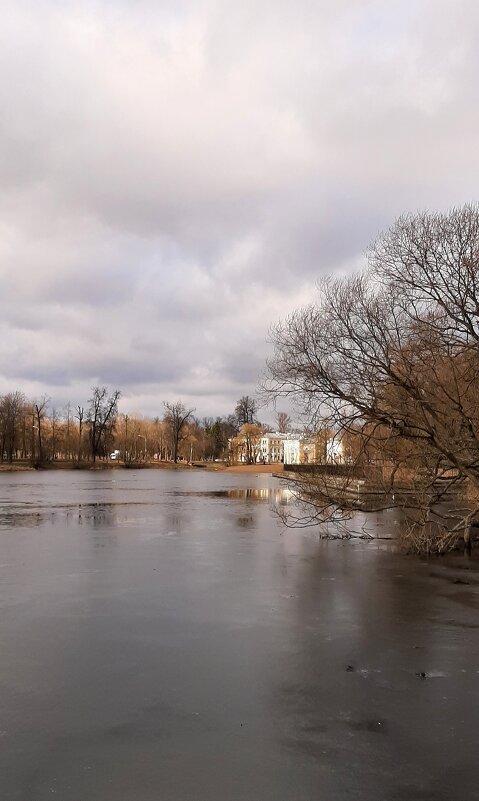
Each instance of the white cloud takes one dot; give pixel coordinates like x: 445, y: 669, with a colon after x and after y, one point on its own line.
x: 174, y: 179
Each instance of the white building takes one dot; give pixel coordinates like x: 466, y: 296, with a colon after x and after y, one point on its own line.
x: 300, y: 450
x: 292, y: 451
x: 271, y: 447
x: 275, y: 447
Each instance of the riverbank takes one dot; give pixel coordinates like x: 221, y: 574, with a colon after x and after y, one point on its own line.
x: 113, y: 465
x: 255, y: 468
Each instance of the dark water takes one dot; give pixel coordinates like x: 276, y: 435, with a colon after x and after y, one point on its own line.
x: 164, y: 639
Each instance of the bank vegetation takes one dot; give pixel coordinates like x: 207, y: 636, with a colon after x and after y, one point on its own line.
x: 389, y: 358
x: 35, y: 433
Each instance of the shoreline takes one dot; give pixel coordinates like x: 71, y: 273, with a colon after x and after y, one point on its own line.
x: 18, y: 467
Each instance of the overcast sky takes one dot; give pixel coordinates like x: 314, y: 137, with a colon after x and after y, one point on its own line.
x: 175, y: 176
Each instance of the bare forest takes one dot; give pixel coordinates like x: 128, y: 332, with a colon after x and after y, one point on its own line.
x: 36, y: 433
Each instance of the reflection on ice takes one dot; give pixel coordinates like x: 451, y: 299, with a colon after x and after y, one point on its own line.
x: 275, y: 495
x: 117, y: 513
x: 94, y: 514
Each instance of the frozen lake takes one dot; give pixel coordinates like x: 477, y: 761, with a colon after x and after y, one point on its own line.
x: 163, y: 638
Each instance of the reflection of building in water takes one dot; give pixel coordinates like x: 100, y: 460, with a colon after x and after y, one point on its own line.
x: 279, y: 495
x: 262, y: 494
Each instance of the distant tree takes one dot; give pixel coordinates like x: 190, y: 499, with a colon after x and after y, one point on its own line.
x: 11, y: 408
x: 39, y: 413
x: 222, y: 431
x: 194, y: 440
x: 231, y: 421
x: 102, y: 414
x: 80, y: 415
x: 160, y: 439
x: 283, y: 422
x: 216, y: 434
x: 25, y: 414
x: 177, y: 416
x: 54, y: 429
x: 67, y: 417
x: 123, y: 437
x: 245, y: 446
x: 245, y: 410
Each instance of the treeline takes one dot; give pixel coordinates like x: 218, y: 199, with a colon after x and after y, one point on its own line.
x: 37, y: 432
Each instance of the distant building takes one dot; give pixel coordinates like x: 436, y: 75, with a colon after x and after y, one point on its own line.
x: 316, y: 449
x: 292, y: 451
x: 253, y: 446
x: 271, y: 448
x: 302, y: 450
x: 262, y: 448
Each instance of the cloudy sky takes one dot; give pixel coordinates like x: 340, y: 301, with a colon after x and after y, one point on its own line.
x: 174, y: 176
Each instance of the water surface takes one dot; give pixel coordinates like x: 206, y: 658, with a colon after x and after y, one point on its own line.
x: 163, y: 638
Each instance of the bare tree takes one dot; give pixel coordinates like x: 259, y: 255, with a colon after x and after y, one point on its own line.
x: 67, y: 417
x: 11, y: 408
x: 245, y: 446
x: 391, y: 354
x: 39, y: 414
x: 177, y: 416
x: 80, y: 415
x: 54, y: 427
x: 102, y: 413
x: 283, y: 422
x: 245, y: 410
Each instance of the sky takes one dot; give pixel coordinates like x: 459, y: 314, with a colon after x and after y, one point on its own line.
x: 175, y: 177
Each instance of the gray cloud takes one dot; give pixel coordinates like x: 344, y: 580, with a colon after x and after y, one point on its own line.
x: 174, y: 178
